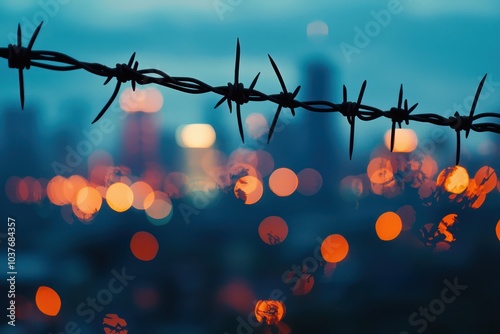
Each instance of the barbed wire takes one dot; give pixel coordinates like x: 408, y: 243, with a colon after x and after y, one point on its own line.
x: 22, y: 58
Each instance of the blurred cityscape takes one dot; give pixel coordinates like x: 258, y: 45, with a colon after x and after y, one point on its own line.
x: 80, y: 194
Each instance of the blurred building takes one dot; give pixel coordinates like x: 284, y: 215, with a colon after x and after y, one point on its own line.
x: 140, y: 145
x: 320, y: 130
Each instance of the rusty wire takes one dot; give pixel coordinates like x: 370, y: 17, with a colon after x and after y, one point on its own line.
x: 22, y: 58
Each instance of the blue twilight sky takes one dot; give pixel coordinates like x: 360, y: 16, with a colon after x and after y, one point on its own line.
x: 438, y: 50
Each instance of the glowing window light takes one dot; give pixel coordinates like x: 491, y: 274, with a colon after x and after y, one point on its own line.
x: 317, y: 28
x: 310, y: 182
x: 159, y: 208
x: 55, y: 190
x: 388, y: 226
x: 334, y: 248
x: 283, y: 182
x: 144, y: 246
x: 273, y: 230
x: 405, y: 140
x: 88, y: 200
x: 48, y: 301
x: 195, y: 136
x: 249, y: 189
x: 146, y: 100
x: 497, y: 230
x: 141, y: 190
x: 486, y: 179
x: 454, y: 179
x: 119, y: 197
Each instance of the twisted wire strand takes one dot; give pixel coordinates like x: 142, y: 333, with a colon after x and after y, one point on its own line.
x: 22, y: 58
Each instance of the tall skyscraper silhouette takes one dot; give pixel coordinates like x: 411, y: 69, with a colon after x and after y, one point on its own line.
x: 140, y: 144
x: 319, y: 130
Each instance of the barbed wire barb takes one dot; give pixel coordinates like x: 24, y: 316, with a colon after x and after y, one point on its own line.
x: 285, y: 99
x: 22, y: 58
x: 465, y: 122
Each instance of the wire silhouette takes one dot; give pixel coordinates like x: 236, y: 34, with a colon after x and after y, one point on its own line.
x: 22, y: 58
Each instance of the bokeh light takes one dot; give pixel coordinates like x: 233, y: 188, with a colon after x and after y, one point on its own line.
x: 144, y: 246
x: 380, y: 170
x: 497, y: 230
x: 146, y: 100
x: 195, y: 136
x: 146, y: 297
x: 88, y: 200
x: 269, y: 311
x: 445, y: 224
x: 283, y: 182
x: 11, y: 188
x: 256, y: 125
x: 352, y: 187
x: 48, y: 301
x: 317, y: 28
x: 237, y: 295
x: 119, y: 197
x: 159, y: 209
x: 55, y: 190
x: 405, y: 140
x: 273, y: 230
x: 388, y: 226
x: 249, y: 189
x: 303, y: 285
x: 141, y: 190
x: 408, y: 216
x: 453, y: 179
x: 310, y: 181
x: 334, y: 248
x: 265, y: 163
x: 486, y: 179
x: 71, y: 187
